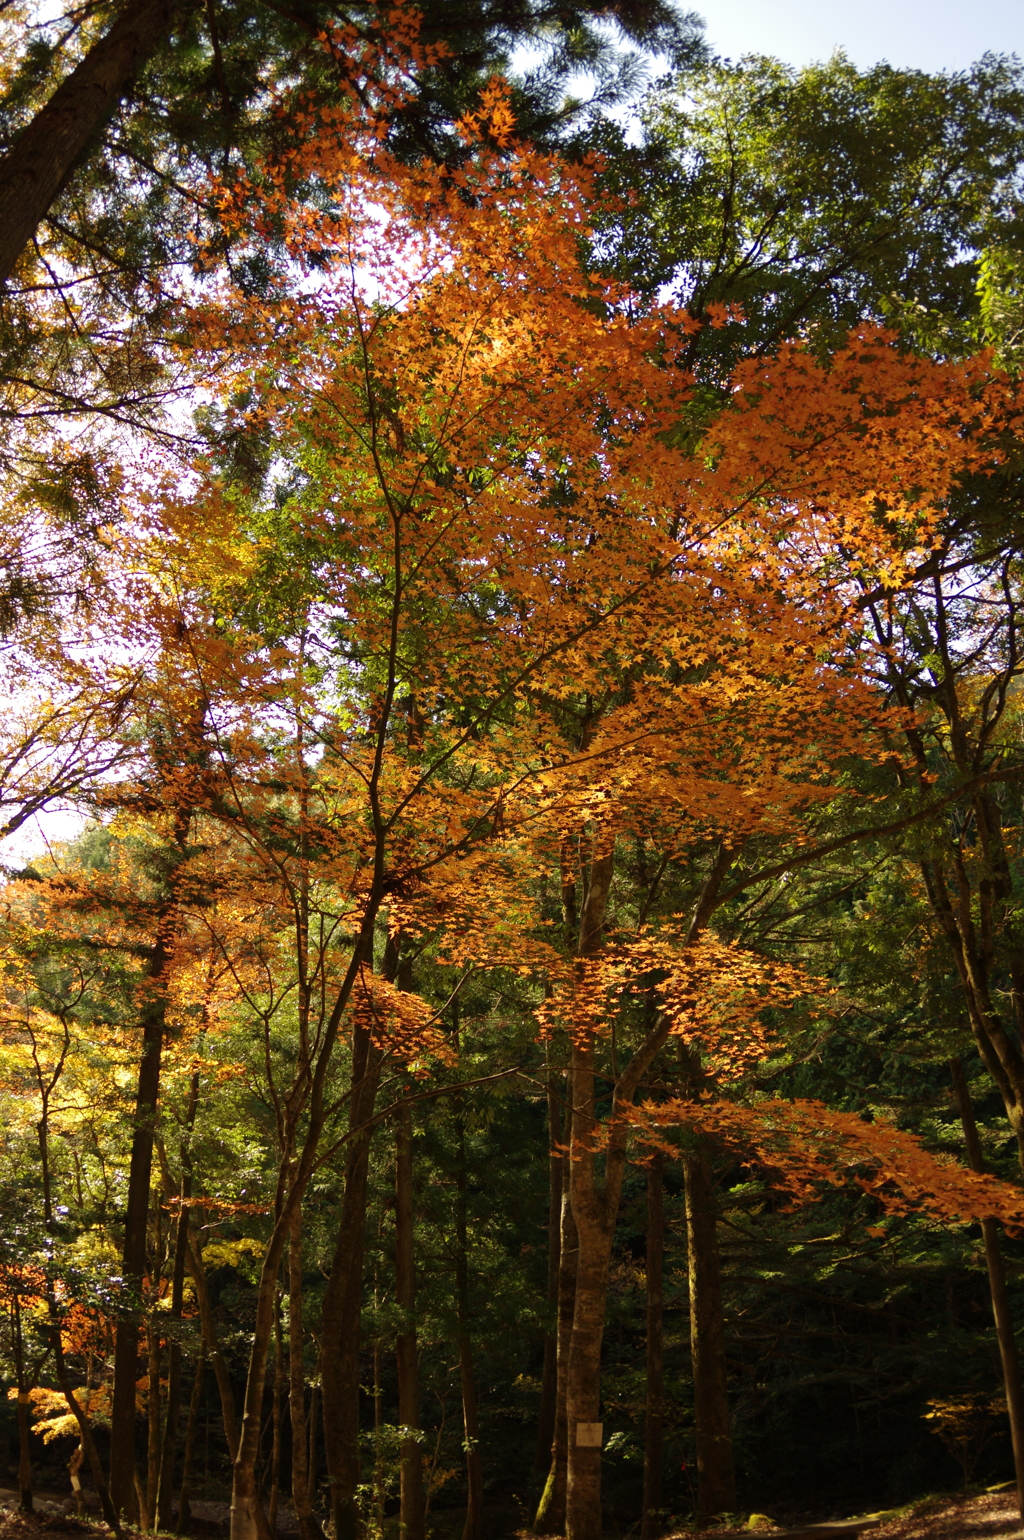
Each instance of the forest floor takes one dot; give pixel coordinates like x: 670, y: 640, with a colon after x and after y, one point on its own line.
x: 972, y: 1516
x: 980, y: 1516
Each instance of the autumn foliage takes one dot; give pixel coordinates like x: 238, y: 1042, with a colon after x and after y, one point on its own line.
x: 468, y: 594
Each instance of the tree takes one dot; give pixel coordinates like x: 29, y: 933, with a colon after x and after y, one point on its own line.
x: 816, y: 199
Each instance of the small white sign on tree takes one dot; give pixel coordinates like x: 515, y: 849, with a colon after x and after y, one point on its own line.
x: 588, y: 1435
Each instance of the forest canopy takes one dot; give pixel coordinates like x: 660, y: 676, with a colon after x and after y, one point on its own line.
x: 518, y: 607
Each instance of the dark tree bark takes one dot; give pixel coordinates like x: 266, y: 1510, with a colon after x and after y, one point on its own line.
x: 153, y: 1440
x: 997, y: 1285
x: 550, y: 1518
x: 44, y: 154
x: 343, y: 1302
x: 165, y: 1481
x: 716, y: 1482
x: 195, y: 1402
x: 549, y: 1375
x: 472, y: 1530
x: 653, y: 1426
x: 25, y: 1500
x: 140, y: 1172
x: 411, y: 1521
x: 309, y: 1529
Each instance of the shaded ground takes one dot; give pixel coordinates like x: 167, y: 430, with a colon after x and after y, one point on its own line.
x: 988, y: 1516
x: 983, y: 1516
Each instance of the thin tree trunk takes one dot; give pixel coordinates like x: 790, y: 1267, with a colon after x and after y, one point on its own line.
x: 472, y: 1530
x: 596, y: 1188
x: 133, y: 1259
x: 550, y: 1517
x: 165, y: 1482
x: 549, y: 1374
x: 309, y: 1529
x: 25, y: 1501
x: 152, y: 1421
x: 343, y: 1299
x: 314, y: 1408
x: 411, y: 1498
x: 654, y: 1419
x: 343, y: 1302
x: 195, y: 1401
x: 996, y: 1283
x: 594, y: 1207
x: 35, y: 169
x: 716, y: 1482
x: 276, y: 1396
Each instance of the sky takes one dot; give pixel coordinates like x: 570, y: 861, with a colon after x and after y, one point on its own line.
x: 912, y: 34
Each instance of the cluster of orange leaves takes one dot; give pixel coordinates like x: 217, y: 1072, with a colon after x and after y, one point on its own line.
x: 806, y: 1146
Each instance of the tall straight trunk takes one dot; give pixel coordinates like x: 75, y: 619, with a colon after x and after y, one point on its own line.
x: 195, y: 1402
x: 595, y: 1207
x: 343, y: 1298
x: 25, y: 1500
x: 309, y: 1529
x: 411, y: 1521
x: 140, y: 1171
x: 276, y: 1397
x: 35, y: 169
x: 549, y: 1374
x: 654, y: 1417
x: 550, y: 1518
x: 165, y: 1481
x: 314, y: 1431
x: 997, y: 1285
x: 595, y: 1186
x: 716, y: 1482
x: 152, y: 1421
x: 133, y: 1260
x: 595, y: 1228
x: 472, y: 1529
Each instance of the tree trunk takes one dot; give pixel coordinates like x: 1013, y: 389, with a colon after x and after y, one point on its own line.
x: 165, y: 1482
x: 25, y: 1501
x: 595, y: 1233
x: 549, y: 1374
x: 43, y: 155
x: 473, y: 1526
x: 343, y: 1302
x: 997, y: 1285
x: 152, y: 1421
x: 196, y: 1400
x: 550, y: 1517
x: 411, y: 1520
x: 140, y: 1170
x: 472, y: 1529
x: 594, y: 1208
x: 276, y: 1397
x: 972, y: 946
x: 309, y: 1529
x: 133, y: 1261
x: 716, y: 1483
x: 653, y: 1427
